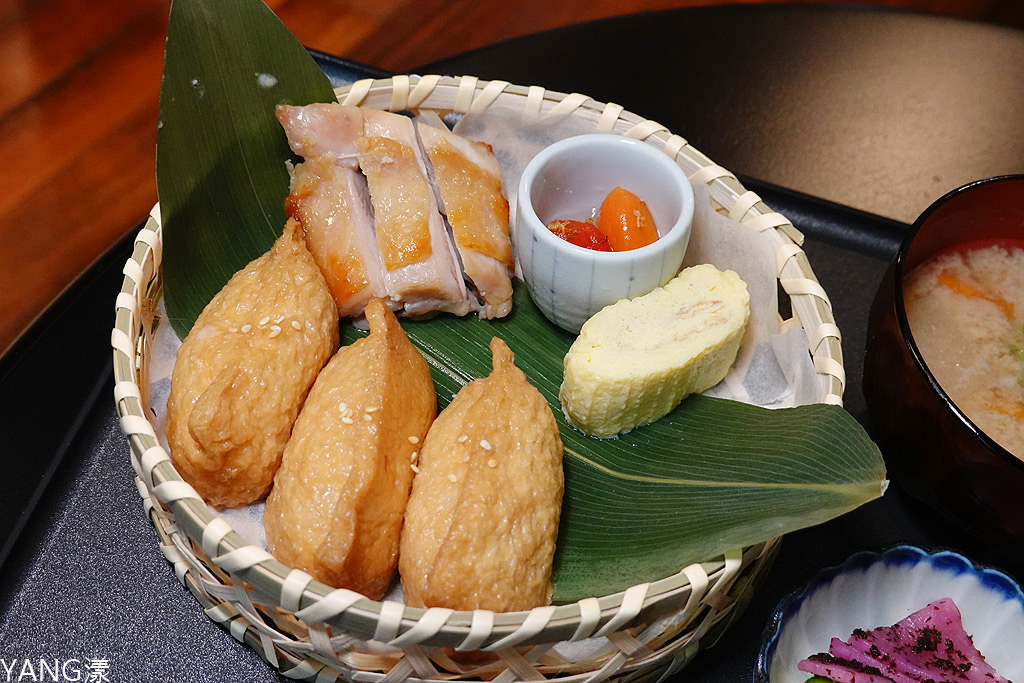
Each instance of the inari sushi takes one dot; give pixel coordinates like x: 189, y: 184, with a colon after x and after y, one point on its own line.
x: 243, y: 372
x: 338, y: 500
x: 482, y: 520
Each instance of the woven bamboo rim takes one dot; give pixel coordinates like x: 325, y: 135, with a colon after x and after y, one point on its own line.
x: 313, y: 632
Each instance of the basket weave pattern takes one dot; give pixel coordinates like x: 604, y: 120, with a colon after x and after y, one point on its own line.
x: 313, y: 632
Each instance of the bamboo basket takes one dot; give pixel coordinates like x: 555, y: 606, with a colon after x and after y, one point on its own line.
x: 312, y: 632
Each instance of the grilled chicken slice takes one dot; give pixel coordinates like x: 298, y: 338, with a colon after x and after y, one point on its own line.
x: 423, y: 269
x: 371, y: 204
x: 330, y: 200
x: 332, y: 203
x: 322, y: 129
x: 468, y: 181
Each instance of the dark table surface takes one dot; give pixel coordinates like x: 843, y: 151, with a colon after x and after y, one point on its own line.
x: 848, y: 120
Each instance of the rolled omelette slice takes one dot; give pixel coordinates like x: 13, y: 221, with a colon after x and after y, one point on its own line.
x: 482, y: 519
x: 243, y: 372
x: 637, y: 359
x: 338, y: 499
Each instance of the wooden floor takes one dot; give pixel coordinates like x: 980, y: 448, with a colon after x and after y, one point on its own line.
x: 79, y: 85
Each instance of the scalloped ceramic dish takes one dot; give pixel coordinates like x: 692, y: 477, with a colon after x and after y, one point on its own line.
x: 871, y: 590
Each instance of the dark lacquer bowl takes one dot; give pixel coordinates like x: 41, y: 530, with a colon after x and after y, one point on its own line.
x: 932, y: 449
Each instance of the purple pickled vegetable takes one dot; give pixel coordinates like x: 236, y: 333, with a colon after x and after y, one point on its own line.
x: 843, y: 650
x: 928, y: 646
x: 841, y: 670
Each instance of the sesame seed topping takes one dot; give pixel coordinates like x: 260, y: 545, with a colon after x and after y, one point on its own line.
x: 414, y: 468
x: 452, y: 478
x: 463, y: 438
x: 232, y: 329
x: 372, y: 409
x: 485, y: 444
x: 274, y: 331
x: 296, y: 325
x: 279, y: 319
x: 343, y: 406
x: 415, y: 454
x: 246, y: 328
x: 414, y: 439
x: 367, y: 417
x: 347, y: 420
x: 492, y: 463
x: 264, y: 321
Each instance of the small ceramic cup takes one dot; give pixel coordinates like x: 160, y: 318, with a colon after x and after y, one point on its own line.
x: 568, y: 180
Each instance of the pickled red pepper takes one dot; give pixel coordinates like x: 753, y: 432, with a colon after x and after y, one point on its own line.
x: 581, y: 233
x: 623, y: 223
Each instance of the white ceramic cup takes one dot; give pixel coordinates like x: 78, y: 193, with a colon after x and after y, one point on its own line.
x: 568, y: 180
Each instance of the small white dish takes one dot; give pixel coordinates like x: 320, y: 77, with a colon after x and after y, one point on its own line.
x: 568, y: 180
x: 870, y: 590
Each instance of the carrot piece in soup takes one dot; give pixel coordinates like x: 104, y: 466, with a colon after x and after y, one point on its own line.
x: 967, y: 289
x: 626, y: 221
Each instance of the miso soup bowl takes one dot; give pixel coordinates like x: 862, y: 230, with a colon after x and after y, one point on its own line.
x: 932, y: 449
x: 568, y: 180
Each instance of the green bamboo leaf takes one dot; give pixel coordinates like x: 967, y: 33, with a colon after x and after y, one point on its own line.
x: 220, y: 152
x: 711, y: 476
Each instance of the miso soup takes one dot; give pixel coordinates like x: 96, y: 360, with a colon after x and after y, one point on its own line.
x: 966, y: 313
